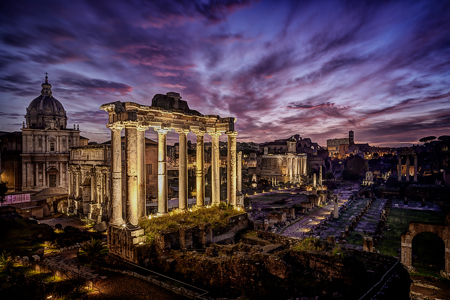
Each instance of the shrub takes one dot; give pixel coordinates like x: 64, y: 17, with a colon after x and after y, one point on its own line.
x: 308, y: 244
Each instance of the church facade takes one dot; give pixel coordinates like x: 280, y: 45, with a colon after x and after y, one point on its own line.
x: 45, y: 142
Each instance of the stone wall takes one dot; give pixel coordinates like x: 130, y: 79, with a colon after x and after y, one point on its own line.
x: 124, y: 242
x: 200, y: 236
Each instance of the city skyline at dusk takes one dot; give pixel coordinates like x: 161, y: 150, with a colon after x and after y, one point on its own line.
x: 314, y: 68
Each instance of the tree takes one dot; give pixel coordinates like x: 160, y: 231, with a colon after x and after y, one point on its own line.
x: 93, y: 250
x: 329, y: 175
x: 444, y: 139
x: 357, y: 166
x: 6, y: 263
x: 427, y: 139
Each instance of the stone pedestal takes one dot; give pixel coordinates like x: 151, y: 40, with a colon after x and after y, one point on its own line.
x: 124, y: 242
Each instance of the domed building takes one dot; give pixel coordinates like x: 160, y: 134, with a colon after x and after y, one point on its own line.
x: 46, y: 141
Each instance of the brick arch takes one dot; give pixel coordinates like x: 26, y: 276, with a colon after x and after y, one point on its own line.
x: 443, y: 231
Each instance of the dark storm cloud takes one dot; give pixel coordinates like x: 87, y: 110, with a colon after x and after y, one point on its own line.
x: 299, y: 105
x: 317, y: 66
x: 11, y: 116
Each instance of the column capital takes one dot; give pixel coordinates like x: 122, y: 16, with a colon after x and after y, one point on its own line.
x: 215, y: 133
x: 199, y: 132
x: 160, y: 130
x: 141, y: 127
x: 231, y: 133
x: 182, y: 130
x: 130, y: 124
x: 115, y: 126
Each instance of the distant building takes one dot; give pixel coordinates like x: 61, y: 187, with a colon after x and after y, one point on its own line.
x: 45, y: 142
x: 11, y: 160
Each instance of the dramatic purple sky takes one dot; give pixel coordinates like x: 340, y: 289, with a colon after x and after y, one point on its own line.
x: 316, y: 68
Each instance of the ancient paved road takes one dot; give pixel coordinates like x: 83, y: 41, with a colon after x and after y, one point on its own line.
x: 119, y: 286
x: 303, y: 226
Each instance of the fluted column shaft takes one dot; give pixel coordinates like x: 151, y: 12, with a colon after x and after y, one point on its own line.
x: 132, y: 173
x: 200, y: 166
x: 399, y: 167
x: 231, y: 168
x: 162, y: 171
x: 215, y: 168
x: 116, y: 175
x: 141, y: 170
x: 182, y: 170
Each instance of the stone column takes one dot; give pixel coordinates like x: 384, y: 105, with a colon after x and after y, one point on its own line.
x: 93, y: 185
x: 415, y: 168
x: 290, y: 169
x: 132, y: 173
x: 102, y: 187
x: 162, y: 170
x: 407, y: 168
x: 320, y: 175
x: 231, y: 164
x: 315, y: 180
x: 305, y: 165
x: 70, y: 181
x: 141, y: 170
x: 182, y: 170
x: 77, y: 184
x: 116, y: 175
x: 215, y: 168
x: 239, y: 171
x: 200, y: 166
x: 399, y: 167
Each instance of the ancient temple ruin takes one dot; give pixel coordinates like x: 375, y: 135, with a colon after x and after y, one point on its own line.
x: 167, y: 112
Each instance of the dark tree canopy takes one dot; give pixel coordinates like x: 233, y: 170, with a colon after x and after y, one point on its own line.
x: 357, y: 165
x: 427, y: 139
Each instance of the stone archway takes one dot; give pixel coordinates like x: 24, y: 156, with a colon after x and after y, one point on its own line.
x: 414, y: 229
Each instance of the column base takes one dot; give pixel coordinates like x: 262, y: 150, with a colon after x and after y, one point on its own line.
x: 124, y: 241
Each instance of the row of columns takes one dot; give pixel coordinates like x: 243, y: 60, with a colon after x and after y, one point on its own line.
x: 406, y: 167
x: 296, y: 168
x: 135, y: 170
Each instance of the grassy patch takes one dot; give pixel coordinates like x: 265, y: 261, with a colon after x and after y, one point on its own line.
x: 216, y: 216
x: 398, y: 222
x: 308, y: 244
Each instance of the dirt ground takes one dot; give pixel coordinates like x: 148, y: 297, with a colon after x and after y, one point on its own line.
x: 429, y: 288
x: 119, y: 286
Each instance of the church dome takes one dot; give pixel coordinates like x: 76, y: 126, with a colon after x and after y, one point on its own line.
x: 46, y: 111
